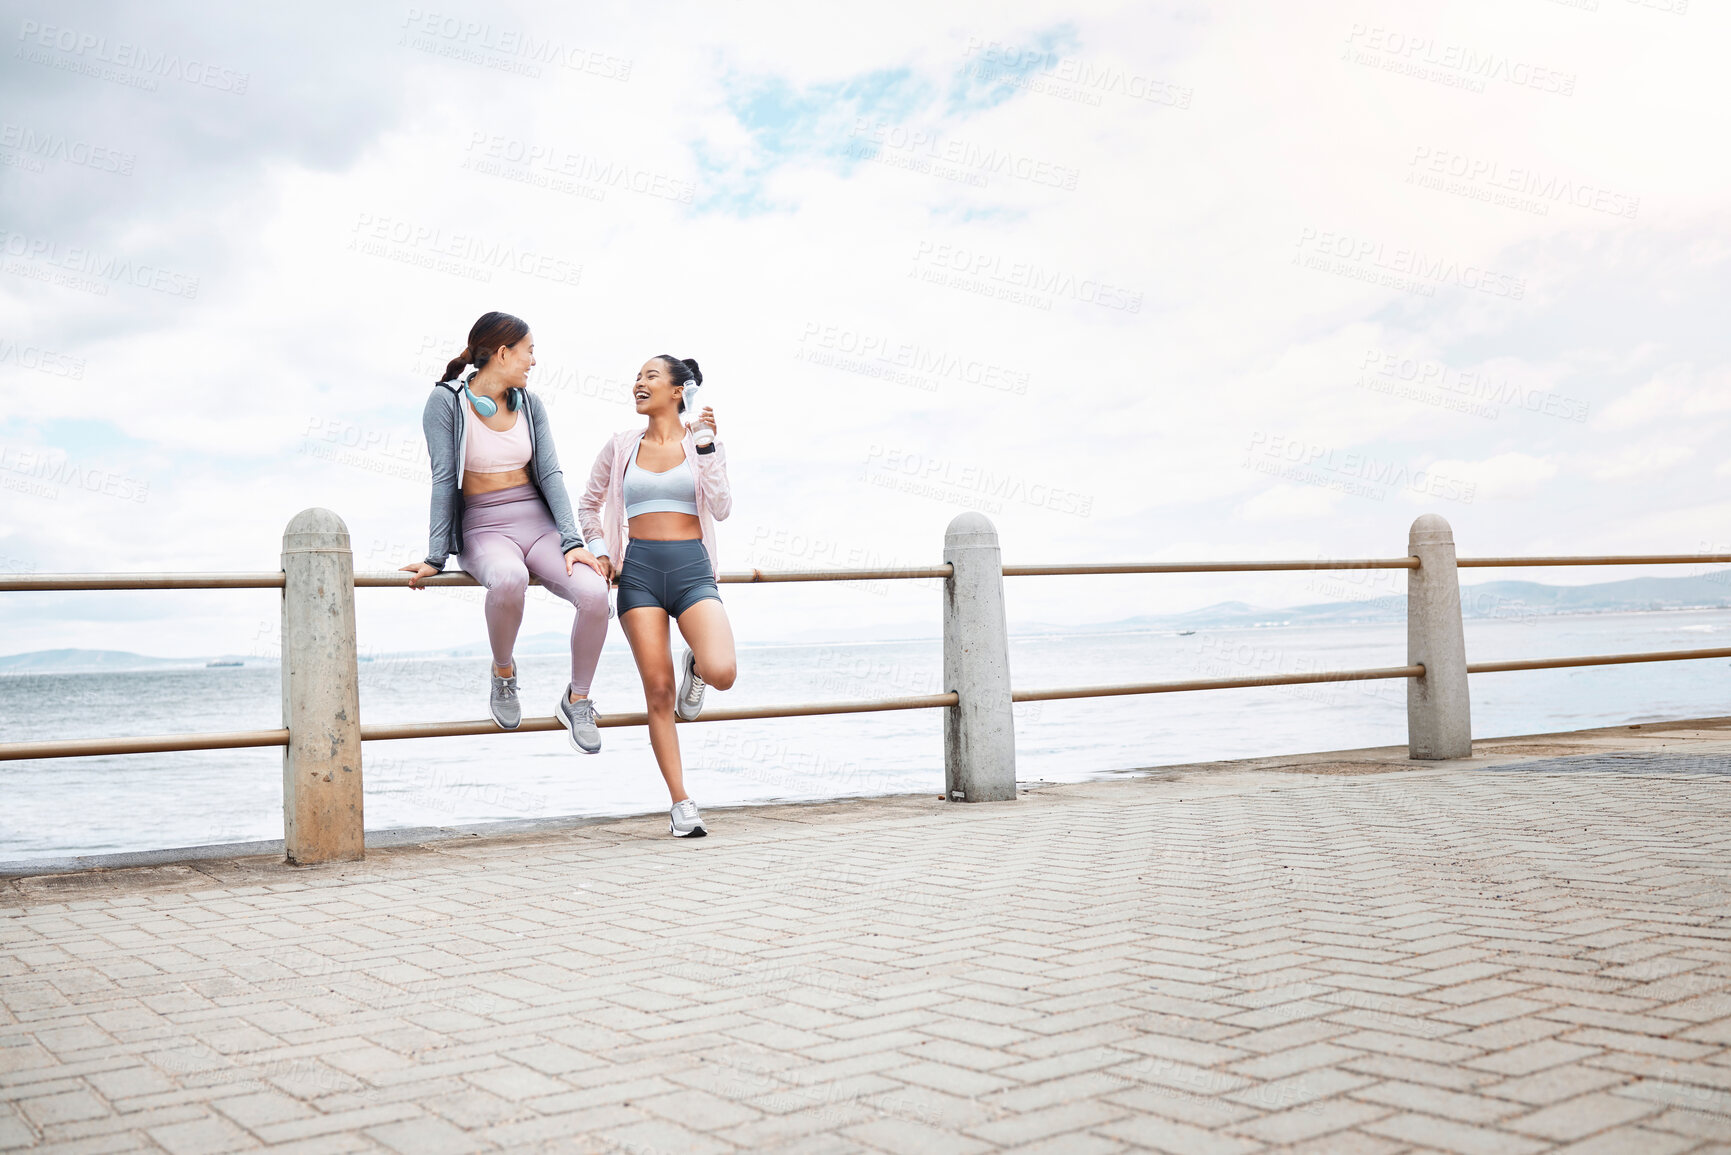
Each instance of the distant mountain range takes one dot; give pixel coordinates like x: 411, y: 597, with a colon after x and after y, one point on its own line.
x: 95, y: 661
x: 1499, y: 599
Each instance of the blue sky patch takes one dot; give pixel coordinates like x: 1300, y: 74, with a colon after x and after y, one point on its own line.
x: 832, y: 121
x: 995, y: 71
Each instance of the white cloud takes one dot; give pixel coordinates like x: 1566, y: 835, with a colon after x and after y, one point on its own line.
x: 1635, y: 460
x: 1284, y: 502
x: 1510, y: 476
x: 1194, y: 213
x: 1673, y: 394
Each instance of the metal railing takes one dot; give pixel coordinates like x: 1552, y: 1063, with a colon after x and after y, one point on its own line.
x: 321, y: 676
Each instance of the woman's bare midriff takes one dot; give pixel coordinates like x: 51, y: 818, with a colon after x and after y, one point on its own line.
x: 475, y: 484
x: 666, y: 526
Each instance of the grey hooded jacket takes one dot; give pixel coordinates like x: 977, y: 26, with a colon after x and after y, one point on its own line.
x: 443, y: 422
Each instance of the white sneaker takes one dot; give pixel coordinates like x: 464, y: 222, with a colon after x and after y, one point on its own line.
x: 689, y: 703
x: 579, y: 718
x: 685, y: 820
x: 502, y: 701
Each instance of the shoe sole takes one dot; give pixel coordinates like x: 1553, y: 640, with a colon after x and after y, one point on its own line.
x: 694, y: 832
x: 571, y: 733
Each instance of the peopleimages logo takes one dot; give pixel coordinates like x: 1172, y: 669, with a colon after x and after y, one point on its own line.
x: 863, y: 351
x: 83, y: 262
x: 393, y: 443
x: 1401, y: 267
x: 69, y: 150
x: 41, y: 360
x: 1454, y: 64
x: 51, y: 468
x: 929, y: 145
x: 1521, y: 180
x: 1470, y: 385
x: 929, y: 475
x: 1022, y: 278
x: 775, y: 544
x: 442, y: 30
x: 1356, y: 474
x: 1075, y: 77
x: 87, y: 52
x: 576, y: 166
x: 463, y: 254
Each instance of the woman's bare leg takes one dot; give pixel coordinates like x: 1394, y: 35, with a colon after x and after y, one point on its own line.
x: 646, y: 629
x: 707, y: 631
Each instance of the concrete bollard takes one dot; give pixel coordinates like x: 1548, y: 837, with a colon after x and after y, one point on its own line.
x: 980, y: 730
x: 1438, y: 707
x: 321, y: 707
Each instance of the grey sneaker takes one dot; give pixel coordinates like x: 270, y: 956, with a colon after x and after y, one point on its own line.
x: 580, y: 718
x: 689, y: 704
x: 507, y: 711
x: 685, y: 820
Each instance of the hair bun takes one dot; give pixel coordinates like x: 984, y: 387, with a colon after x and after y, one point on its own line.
x: 696, y: 373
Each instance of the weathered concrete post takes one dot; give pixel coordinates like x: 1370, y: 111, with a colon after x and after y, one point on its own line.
x: 980, y: 730
x: 1438, y: 708
x: 321, y: 769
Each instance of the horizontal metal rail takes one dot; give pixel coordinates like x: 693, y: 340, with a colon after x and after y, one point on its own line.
x: 393, y: 579
x: 17, y: 582
x: 1595, y: 660
x: 245, y: 739
x: 1209, y: 566
x: 141, y: 581
x: 1355, y: 563
x: 1599, y: 559
x: 155, y: 744
x: 752, y: 577
x: 1216, y: 684
x: 1361, y: 675
x: 391, y: 732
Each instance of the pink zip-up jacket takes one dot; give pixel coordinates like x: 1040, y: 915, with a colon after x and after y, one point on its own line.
x: 601, y: 509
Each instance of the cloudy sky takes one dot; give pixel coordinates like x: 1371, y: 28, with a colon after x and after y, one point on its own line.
x: 1140, y: 281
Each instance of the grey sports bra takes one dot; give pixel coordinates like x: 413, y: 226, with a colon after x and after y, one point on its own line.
x: 671, y: 491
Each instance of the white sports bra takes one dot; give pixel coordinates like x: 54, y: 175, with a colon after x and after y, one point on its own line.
x: 670, y: 491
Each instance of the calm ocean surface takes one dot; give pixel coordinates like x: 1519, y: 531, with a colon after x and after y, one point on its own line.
x: 99, y: 805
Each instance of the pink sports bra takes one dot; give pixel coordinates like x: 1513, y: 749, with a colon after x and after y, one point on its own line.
x: 486, y: 450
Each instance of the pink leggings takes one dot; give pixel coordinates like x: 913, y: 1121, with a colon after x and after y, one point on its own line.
x: 507, y: 535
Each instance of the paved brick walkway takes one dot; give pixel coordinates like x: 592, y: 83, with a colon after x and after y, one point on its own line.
x: 1333, y: 954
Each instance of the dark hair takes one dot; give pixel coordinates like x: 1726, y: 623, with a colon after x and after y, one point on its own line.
x: 683, y: 371
x: 485, y: 337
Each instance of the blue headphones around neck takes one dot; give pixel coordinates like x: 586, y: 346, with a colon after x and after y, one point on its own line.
x: 486, y: 406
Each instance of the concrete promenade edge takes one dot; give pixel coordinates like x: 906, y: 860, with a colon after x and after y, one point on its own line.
x: 1488, y: 752
x: 1337, y: 952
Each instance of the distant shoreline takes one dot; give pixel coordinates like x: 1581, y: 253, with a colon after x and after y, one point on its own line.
x: 1105, y: 629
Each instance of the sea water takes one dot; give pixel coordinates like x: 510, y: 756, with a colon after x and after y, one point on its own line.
x: 59, y: 807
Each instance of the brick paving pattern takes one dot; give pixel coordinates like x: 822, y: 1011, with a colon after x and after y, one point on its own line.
x: 1321, y: 957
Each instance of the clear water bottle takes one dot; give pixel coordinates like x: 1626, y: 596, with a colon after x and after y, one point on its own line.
x: 702, y: 434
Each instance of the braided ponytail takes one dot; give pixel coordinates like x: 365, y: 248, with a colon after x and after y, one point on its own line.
x: 487, y: 336
x: 455, y: 366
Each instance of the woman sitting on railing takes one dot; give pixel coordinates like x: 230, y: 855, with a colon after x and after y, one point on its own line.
x: 653, y: 499
x: 512, y: 516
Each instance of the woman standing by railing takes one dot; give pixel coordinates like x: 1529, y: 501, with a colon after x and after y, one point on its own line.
x: 511, y: 516
x: 653, y: 499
